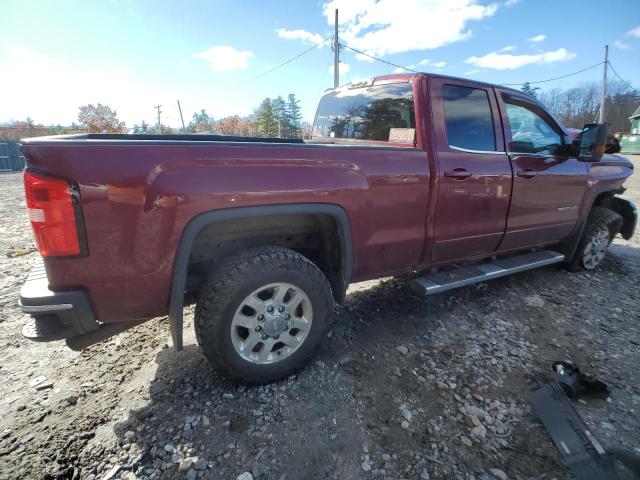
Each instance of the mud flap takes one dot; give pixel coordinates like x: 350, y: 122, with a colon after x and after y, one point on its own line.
x: 175, y: 324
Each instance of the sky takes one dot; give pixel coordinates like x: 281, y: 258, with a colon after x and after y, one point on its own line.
x: 133, y: 55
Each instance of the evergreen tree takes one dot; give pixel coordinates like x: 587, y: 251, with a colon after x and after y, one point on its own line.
x: 280, y: 115
x: 200, y: 122
x: 142, y: 128
x: 529, y: 90
x: 267, y: 122
x: 294, y: 116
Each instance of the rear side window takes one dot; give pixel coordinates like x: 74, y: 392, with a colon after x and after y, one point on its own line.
x: 468, y: 118
x: 382, y: 113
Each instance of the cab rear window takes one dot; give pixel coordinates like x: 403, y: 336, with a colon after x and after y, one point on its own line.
x: 383, y: 113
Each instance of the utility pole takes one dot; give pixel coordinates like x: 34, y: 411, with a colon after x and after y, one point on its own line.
x: 603, y: 87
x: 181, y: 119
x: 159, y: 112
x: 336, y: 55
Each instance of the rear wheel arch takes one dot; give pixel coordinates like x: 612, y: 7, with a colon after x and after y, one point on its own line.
x: 337, y: 266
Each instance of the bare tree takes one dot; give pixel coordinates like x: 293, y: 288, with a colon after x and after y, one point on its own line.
x: 579, y: 105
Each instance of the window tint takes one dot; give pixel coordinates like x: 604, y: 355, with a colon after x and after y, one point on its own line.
x: 530, y: 133
x: 382, y: 113
x: 468, y: 118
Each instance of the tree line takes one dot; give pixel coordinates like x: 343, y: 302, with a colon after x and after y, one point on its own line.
x: 579, y: 105
x: 279, y: 117
x: 275, y: 117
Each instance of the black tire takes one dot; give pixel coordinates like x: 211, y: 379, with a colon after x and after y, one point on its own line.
x: 599, y: 218
x: 230, y: 284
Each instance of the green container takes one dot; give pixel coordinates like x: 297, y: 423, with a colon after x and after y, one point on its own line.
x: 631, y: 143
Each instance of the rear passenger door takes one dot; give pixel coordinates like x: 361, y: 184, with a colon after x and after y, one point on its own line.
x: 474, y: 174
x: 548, y: 188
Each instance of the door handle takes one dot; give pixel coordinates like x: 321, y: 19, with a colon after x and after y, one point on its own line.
x: 526, y: 173
x: 458, y: 173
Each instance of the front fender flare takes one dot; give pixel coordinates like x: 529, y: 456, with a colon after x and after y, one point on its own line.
x: 629, y: 212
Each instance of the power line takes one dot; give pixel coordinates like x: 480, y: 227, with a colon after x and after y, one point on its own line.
x: 271, y: 70
x: 554, y: 78
x: 378, y: 59
x: 622, y: 80
x: 506, y: 84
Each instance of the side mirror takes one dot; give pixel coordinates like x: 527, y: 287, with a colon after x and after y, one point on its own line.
x: 593, y: 142
x: 568, y: 150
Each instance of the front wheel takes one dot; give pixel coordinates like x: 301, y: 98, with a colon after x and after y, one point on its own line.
x: 262, y: 313
x: 602, y: 226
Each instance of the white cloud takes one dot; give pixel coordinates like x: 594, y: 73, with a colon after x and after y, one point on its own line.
x: 511, y: 3
x: 505, y: 61
x: 79, y: 82
x: 471, y: 72
x: 634, y: 32
x: 508, y: 48
x: 382, y: 27
x: 416, y: 66
x: 621, y: 45
x: 300, y: 34
x: 538, y: 38
x: 224, y: 58
x: 344, y: 68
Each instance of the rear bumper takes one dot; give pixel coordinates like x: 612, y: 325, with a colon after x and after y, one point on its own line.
x: 56, y: 315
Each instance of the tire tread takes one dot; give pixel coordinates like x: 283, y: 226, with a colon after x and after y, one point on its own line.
x: 598, y: 216
x: 229, y: 277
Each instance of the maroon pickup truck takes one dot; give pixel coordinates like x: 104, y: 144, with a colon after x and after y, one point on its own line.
x: 463, y: 180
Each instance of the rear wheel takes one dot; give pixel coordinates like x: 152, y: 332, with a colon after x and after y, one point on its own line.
x: 602, y: 226
x: 262, y: 314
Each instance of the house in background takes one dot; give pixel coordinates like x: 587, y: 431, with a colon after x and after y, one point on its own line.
x: 631, y: 143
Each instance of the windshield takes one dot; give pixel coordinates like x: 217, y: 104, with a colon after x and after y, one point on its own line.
x: 379, y: 113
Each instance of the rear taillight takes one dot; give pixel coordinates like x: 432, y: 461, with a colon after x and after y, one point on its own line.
x: 52, y: 214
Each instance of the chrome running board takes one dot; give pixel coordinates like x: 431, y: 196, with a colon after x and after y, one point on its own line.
x: 463, y: 276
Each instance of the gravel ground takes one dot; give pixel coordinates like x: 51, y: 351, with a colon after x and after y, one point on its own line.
x: 403, y: 387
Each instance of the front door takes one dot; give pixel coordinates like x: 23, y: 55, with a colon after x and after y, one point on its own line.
x: 474, y: 178
x: 548, y: 189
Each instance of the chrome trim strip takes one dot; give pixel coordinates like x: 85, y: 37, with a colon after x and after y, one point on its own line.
x: 492, y: 152
x: 530, y: 154
x: 45, y: 308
